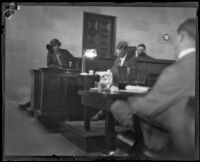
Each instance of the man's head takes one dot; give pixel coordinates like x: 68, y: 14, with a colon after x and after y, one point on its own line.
x: 141, y: 49
x: 55, y: 44
x: 186, y: 35
x: 121, y: 49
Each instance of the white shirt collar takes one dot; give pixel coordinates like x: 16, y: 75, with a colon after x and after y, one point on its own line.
x: 122, y: 60
x: 186, y: 52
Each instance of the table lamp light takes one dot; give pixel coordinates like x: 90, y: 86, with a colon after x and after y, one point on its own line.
x: 89, y: 53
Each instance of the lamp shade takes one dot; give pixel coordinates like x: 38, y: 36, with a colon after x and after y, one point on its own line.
x: 89, y: 53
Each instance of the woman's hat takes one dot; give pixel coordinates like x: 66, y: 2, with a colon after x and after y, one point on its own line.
x: 54, y: 42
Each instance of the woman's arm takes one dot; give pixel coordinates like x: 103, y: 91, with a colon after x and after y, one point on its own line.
x: 51, y: 62
x: 68, y: 57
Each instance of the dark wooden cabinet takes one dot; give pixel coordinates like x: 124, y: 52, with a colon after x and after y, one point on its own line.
x: 51, y: 109
x: 74, y: 111
x: 54, y: 95
x: 99, y: 32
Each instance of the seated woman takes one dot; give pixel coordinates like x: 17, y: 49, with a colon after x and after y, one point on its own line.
x: 57, y: 57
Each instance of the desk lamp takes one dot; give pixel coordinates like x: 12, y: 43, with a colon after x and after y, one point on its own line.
x: 89, y: 53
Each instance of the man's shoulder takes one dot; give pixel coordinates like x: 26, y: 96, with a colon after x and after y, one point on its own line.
x: 187, y: 61
x: 182, y: 67
x: 190, y: 56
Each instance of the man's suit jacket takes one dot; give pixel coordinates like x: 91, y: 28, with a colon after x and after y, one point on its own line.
x: 166, y: 103
x: 65, y: 57
x: 119, y: 77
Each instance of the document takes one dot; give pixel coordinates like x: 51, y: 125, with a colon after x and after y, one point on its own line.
x: 132, y: 88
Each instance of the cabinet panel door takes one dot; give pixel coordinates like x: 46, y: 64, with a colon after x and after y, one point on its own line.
x: 99, y: 33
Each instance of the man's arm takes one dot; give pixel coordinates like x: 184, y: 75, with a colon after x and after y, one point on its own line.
x: 165, y: 92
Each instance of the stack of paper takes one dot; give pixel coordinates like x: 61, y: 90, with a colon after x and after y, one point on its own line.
x: 84, y: 73
x: 136, y: 88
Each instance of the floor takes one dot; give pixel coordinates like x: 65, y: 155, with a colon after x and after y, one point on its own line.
x: 25, y: 136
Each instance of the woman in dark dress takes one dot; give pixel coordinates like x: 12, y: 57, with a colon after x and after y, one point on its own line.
x: 57, y: 57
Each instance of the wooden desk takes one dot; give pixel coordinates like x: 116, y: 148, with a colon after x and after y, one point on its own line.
x: 51, y: 102
x: 54, y: 94
x: 103, y: 100
x: 74, y: 111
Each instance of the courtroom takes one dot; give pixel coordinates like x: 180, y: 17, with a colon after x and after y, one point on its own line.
x: 100, y: 80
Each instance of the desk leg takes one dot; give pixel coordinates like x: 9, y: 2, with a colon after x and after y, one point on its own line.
x: 110, y: 131
x: 86, y: 119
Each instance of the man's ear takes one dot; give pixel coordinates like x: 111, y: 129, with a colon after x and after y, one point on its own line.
x: 182, y: 36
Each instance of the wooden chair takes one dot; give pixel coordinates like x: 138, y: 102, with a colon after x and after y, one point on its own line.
x: 151, y: 79
x: 133, y: 142
x: 138, y: 76
x: 131, y: 50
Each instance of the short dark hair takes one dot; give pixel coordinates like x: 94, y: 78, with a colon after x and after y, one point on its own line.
x: 122, y: 45
x: 142, y: 45
x: 188, y: 26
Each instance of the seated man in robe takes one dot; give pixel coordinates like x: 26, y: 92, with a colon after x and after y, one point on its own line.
x: 166, y: 102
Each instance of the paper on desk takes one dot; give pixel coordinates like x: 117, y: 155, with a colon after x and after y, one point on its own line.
x: 130, y: 91
x: 84, y: 73
x: 100, y: 73
x: 137, y: 88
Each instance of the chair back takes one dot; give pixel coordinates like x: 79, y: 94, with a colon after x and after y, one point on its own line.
x: 138, y: 75
x: 151, y: 79
x: 131, y: 50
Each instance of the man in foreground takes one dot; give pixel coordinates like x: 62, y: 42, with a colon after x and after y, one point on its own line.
x: 166, y: 102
